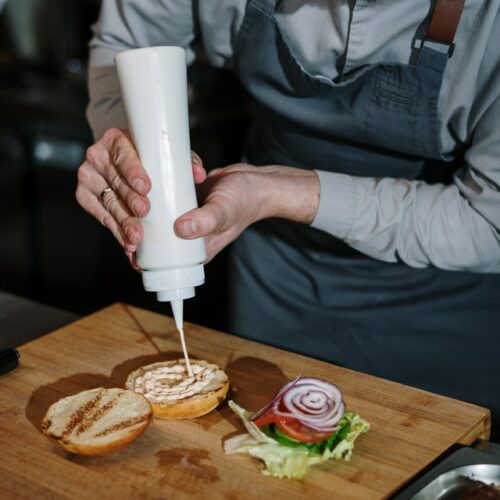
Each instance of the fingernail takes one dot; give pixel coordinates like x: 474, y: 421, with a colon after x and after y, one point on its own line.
x: 136, y: 207
x: 196, y: 159
x: 139, y: 185
x: 130, y: 233
x: 187, y: 227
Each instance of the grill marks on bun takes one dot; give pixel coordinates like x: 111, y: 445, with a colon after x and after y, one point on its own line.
x: 80, y: 416
x: 131, y: 422
x: 97, y: 421
x: 89, y: 417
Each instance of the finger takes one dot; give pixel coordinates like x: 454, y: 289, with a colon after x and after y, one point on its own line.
x: 196, y: 159
x: 93, y: 182
x: 136, y: 204
x: 214, y: 172
x: 132, y: 257
x: 214, y: 245
x: 91, y: 205
x: 209, y: 219
x: 124, y: 159
x: 199, y: 172
x: 99, y: 163
x: 125, y: 173
x: 131, y: 228
x: 90, y: 187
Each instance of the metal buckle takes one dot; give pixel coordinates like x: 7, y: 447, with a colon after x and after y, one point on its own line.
x: 437, y: 45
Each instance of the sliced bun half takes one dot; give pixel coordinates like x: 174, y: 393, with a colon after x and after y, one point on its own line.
x: 173, y: 394
x: 98, y: 421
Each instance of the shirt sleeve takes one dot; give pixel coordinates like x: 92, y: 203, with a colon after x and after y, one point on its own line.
x: 127, y: 24
x: 454, y: 227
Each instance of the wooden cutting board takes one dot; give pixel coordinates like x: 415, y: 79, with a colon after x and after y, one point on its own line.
x: 185, y: 459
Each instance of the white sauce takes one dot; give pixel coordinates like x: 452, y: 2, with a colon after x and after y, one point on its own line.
x: 184, y: 350
x: 171, y: 383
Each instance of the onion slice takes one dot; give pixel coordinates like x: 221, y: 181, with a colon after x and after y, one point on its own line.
x: 313, y: 402
x: 273, y: 405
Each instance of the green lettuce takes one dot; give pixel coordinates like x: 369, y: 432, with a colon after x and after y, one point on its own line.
x: 285, y: 457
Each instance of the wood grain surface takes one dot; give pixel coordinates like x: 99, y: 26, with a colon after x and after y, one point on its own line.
x: 185, y: 459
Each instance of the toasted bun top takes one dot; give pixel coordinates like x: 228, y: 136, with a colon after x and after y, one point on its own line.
x: 168, y: 382
x: 97, y: 416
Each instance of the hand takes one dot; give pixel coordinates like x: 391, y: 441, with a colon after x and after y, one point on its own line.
x: 113, y: 162
x: 235, y: 197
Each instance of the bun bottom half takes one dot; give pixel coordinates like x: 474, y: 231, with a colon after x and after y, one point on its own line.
x: 196, y: 405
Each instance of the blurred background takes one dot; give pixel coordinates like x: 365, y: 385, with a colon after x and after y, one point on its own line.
x: 51, y: 251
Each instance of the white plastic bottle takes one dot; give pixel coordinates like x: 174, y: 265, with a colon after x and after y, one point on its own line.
x: 153, y: 84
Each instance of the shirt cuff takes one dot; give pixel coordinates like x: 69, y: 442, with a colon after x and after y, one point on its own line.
x: 337, y: 204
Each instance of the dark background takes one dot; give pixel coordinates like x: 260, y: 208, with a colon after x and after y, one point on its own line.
x: 51, y: 251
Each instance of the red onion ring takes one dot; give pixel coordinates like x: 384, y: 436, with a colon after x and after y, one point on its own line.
x: 313, y: 402
x: 273, y: 405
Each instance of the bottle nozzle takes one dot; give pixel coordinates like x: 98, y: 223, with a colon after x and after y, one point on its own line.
x: 178, y: 310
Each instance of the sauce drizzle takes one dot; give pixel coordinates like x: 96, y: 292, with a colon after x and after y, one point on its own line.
x: 184, y: 350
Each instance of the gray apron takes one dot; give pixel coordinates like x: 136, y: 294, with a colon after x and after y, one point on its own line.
x: 300, y: 289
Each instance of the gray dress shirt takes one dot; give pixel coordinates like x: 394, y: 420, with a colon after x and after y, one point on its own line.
x: 456, y: 226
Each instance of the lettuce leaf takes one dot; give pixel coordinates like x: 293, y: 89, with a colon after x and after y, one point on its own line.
x: 288, y: 458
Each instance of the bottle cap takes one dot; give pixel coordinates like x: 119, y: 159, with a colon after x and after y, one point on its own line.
x: 175, y: 283
x: 176, y: 294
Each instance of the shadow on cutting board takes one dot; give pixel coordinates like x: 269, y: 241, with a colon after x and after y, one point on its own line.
x: 48, y: 394
x: 253, y: 383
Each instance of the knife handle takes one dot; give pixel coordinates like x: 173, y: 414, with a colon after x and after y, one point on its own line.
x: 9, y: 359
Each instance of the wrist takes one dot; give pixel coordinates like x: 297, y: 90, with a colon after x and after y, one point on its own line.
x: 289, y: 193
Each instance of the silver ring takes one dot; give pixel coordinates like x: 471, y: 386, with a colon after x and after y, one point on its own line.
x: 104, y: 192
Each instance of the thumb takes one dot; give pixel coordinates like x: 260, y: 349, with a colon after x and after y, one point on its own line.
x: 201, y: 221
x: 199, y: 173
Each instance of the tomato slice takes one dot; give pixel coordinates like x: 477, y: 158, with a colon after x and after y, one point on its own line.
x: 265, y: 419
x: 270, y: 418
x: 295, y: 430
x: 290, y: 427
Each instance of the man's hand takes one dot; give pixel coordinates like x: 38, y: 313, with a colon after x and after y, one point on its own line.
x: 235, y: 197
x: 113, y: 162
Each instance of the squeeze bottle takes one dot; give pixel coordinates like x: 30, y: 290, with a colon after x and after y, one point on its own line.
x: 153, y: 83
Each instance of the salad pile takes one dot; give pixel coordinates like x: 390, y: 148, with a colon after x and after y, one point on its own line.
x: 304, y: 424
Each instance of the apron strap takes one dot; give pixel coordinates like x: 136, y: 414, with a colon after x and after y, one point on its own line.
x: 444, y: 21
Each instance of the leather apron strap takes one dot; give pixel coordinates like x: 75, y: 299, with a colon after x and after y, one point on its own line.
x: 444, y: 21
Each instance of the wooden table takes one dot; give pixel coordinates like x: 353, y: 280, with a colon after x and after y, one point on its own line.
x: 184, y: 459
